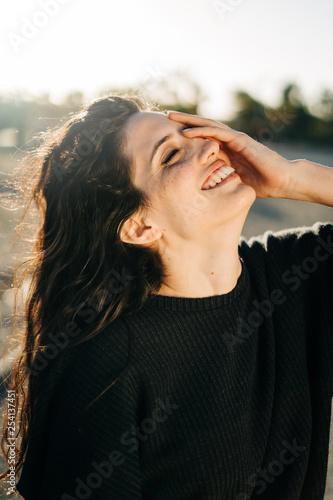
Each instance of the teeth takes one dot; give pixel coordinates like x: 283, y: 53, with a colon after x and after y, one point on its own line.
x: 225, y: 171
x: 218, y: 176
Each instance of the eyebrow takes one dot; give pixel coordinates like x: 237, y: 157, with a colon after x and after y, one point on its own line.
x: 159, y: 143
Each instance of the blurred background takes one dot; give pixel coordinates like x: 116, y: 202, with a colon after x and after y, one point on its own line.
x: 261, y: 67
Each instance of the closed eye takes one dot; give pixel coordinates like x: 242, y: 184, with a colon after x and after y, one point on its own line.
x: 170, y: 156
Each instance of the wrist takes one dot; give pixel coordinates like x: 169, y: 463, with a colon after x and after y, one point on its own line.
x: 293, y: 190
x: 309, y: 181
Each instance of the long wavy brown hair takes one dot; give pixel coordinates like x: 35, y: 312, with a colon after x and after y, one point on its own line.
x: 82, y: 276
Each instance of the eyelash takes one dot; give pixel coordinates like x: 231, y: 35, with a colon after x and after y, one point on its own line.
x: 169, y: 158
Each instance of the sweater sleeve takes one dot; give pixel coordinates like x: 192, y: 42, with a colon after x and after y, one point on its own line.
x: 297, y: 266
x: 89, y: 444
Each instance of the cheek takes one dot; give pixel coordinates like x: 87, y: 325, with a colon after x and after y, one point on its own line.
x: 180, y: 201
x: 173, y: 180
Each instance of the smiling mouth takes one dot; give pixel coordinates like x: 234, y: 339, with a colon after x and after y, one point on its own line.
x: 218, y: 176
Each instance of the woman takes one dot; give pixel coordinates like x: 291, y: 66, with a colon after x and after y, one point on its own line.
x: 164, y: 356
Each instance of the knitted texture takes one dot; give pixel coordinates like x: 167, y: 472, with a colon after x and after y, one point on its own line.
x: 226, y: 397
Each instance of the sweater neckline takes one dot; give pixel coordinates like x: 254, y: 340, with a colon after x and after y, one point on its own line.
x: 202, y: 303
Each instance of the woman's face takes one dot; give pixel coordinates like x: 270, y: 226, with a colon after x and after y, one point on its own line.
x: 172, y: 170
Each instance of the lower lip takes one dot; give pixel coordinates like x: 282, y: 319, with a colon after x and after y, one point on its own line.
x: 230, y: 177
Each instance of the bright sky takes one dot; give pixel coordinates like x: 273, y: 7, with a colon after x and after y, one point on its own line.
x: 58, y: 46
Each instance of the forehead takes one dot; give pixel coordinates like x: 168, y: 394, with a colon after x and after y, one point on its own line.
x: 145, y: 128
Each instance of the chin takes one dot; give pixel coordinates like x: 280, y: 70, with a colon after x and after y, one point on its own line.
x: 252, y: 194
x: 244, y: 199
x: 248, y: 192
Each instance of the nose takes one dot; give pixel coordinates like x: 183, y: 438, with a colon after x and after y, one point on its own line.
x: 207, y: 150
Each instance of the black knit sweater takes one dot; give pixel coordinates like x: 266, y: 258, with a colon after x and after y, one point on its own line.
x: 226, y: 397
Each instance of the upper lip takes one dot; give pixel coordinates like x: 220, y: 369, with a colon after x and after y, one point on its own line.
x: 214, y: 166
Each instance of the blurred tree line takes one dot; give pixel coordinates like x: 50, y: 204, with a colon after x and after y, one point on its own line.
x: 21, y: 117
x: 291, y: 120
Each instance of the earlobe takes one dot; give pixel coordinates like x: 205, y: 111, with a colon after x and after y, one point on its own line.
x: 139, y: 234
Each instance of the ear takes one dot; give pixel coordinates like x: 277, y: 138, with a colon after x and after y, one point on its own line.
x: 138, y: 233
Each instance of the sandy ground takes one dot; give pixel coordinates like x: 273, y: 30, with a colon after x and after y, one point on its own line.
x: 274, y: 214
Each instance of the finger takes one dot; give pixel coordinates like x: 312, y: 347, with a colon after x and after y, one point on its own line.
x: 191, y: 119
x: 219, y: 133
x: 215, y: 140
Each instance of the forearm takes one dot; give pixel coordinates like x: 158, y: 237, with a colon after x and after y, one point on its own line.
x: 310, y: 182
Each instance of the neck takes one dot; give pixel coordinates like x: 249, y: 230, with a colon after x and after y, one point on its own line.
x: 197, y: 270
